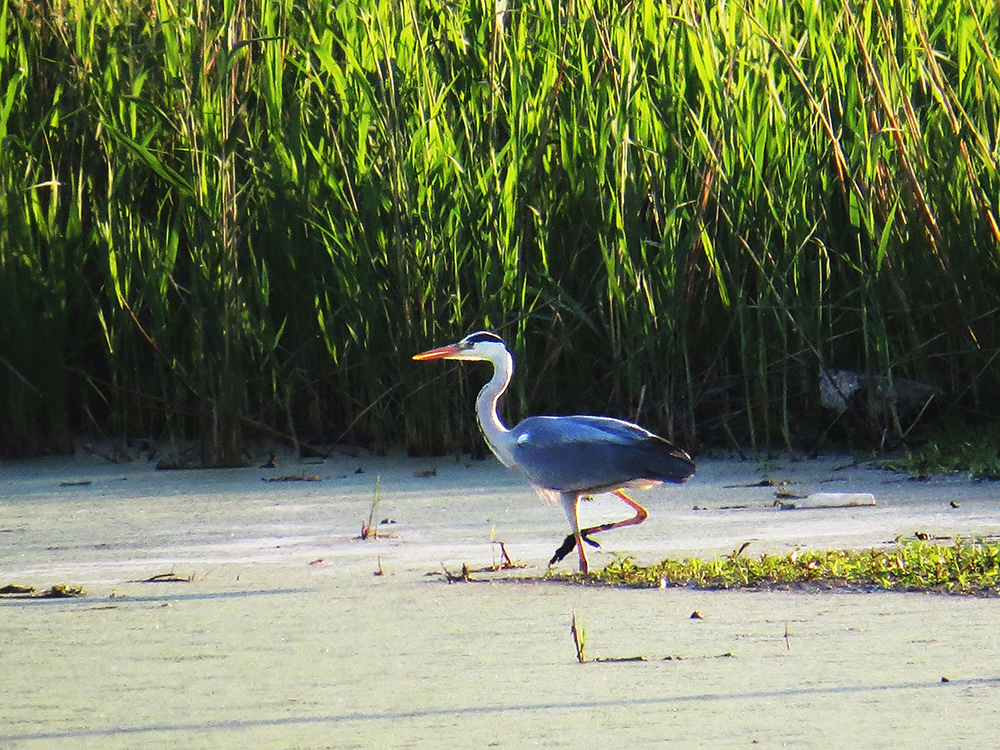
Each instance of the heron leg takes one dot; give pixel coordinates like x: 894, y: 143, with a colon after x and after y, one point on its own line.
x: 575, y: 539
x: 571, y: 502
x: 640, y: 513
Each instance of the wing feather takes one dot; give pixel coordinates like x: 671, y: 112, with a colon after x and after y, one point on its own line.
x: 584, y: 453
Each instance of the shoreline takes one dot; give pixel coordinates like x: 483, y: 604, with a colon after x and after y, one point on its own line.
x: 103, y: 519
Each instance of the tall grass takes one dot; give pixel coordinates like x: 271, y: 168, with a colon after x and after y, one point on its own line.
x: 238, y: 219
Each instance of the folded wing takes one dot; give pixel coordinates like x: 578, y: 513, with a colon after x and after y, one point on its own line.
x: 584, y: 453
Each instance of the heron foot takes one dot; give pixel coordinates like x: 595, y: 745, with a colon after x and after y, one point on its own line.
x: 569, y: 544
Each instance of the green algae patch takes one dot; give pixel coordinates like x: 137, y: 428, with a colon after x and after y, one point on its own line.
x: 963, y: 567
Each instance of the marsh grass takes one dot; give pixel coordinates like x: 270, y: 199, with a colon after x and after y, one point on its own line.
x: 964, y: 567
x: 955, y: 449
x: 239, y: 219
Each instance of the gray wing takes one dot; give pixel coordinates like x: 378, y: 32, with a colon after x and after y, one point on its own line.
x: 582, y: 453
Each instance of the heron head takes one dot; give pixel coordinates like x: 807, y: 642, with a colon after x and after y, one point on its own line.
x: 481, y: 345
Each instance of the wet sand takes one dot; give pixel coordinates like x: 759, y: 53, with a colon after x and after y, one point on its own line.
x: 285, y: 638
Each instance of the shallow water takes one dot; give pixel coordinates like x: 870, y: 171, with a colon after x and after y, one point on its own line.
x: 285, y: 638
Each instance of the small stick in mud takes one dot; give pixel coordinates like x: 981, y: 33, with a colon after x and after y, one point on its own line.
x: 579, y: 640
x: 505, y: 562
x: 293, y: 478
x: 170, y: 577
x: 616, y: 659
x: 464, y: 577
x: 62, y: 591
x: 13, y: 588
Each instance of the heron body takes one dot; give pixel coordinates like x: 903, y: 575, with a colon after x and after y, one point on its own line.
x: 595, y: 454
x: 568, y: 458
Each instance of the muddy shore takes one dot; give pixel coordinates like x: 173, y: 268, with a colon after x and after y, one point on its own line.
x: 278, y: 633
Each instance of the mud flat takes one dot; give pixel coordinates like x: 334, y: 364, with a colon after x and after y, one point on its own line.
x: 227, y: 610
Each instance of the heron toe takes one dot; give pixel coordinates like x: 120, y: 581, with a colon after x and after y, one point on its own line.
x: 568, y: 545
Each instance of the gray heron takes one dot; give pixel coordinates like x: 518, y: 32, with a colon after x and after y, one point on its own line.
x: 571, y: 457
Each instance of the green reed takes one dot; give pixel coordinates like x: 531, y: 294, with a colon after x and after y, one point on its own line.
x: 239, y: 219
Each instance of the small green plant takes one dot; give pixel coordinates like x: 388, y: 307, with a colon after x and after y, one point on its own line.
x: 369, y: 529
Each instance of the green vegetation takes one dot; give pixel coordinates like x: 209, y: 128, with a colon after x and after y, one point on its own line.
x: 238, y: 219
x: 965, y: 567
x: 957, y: 449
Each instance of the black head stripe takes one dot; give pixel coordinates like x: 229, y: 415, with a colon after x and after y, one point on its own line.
x: 482, y: 337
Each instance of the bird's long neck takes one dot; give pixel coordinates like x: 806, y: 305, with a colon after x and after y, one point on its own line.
x: 497, y: 436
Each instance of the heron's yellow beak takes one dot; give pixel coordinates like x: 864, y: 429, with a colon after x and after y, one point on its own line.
x: 442, y: 352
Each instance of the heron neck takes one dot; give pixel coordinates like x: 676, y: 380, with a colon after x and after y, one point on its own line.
x: 497, y: 436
